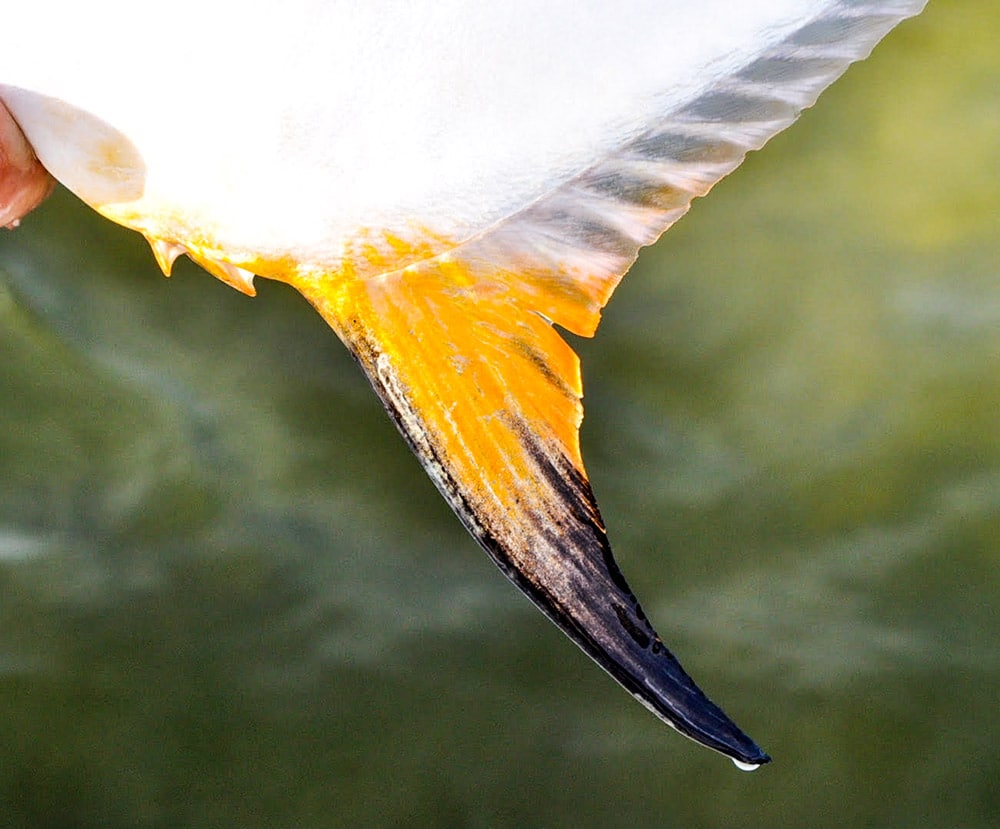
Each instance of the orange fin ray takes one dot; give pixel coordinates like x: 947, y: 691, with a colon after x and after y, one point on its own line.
x: 166, y: 252
x: 487, y: 394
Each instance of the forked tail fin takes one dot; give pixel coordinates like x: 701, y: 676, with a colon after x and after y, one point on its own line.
x: 461, y: 350
x: 458, y: 339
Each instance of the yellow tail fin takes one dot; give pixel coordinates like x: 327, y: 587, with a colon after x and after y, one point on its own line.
x: 487, y: 394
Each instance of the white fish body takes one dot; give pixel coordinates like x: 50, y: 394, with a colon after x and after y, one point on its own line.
x: 320, y: 122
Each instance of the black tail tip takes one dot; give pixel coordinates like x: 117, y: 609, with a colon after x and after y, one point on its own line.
x: 750, y: 761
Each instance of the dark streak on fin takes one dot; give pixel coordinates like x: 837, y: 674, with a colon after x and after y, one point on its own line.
x: 637, y: 660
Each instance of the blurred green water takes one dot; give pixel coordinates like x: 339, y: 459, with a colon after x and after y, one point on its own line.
x: 229, y: 596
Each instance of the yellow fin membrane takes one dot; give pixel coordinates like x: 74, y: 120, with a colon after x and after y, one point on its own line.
x: 487, y: 394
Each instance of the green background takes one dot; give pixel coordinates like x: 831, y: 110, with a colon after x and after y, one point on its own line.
x: 230, y: 597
